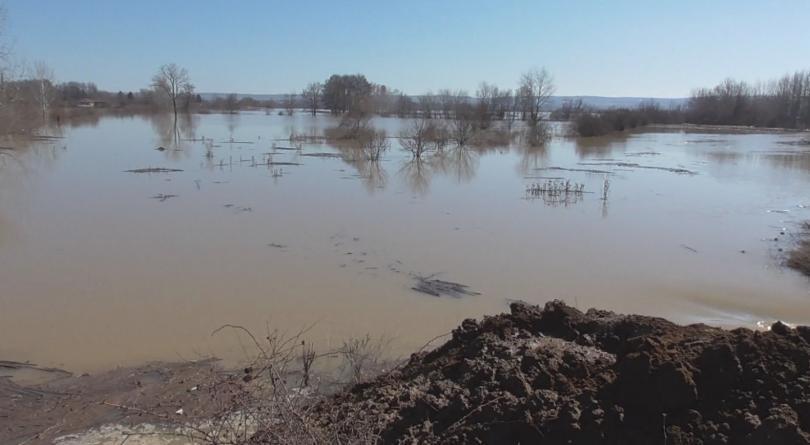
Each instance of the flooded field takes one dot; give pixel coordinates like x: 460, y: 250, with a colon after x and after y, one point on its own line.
x: 113, y: 252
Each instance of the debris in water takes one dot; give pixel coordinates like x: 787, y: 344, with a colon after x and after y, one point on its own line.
x: 649, y: 167
x: 161, y: 197
x: 323, y: 155
x: 643, y: 153
x: 272, y: 163
x: 689, y: 248
x: 800, y: 142
x: 153, y: 170
x: 277, y: 245
x: 584, y: 170
x: 437, y: 288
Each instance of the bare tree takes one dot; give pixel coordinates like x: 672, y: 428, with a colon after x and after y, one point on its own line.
x: 43, y: 75
x: 312, y: 96
x: 535, y: 90
x: 375, y: 145
x: 462, y: 126
x: 487, y: 96
x: 232, y: 103
x: 4, y: 51
x: 427, y: 105
x: 172, y: 81
x: 289, y: 104
x: 446, y: 101
x: 418, y: 137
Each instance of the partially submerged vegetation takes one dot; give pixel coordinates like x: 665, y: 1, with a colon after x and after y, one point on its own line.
x: 556, y: 191
x: 782, y: 103
x: 588, y: 123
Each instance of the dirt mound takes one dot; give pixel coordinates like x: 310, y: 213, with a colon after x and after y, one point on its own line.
x: 557, y: 375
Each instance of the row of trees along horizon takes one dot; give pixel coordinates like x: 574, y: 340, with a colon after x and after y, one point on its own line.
x: 33, y: 95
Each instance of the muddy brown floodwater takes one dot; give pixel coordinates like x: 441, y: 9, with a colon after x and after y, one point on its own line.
x: 103, y: 266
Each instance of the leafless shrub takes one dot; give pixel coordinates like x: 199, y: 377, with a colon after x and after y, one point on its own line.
x: 375, y: 145
x: 440, y: 136
x: 493, y: 136
x: 537, y: 134
x: 462, y: 128
x: 352, y: 127
x: 308, y: 357
x: 415, y: 138
x: 362, y: 356
x: 276, y: 398
x: 423, y: 135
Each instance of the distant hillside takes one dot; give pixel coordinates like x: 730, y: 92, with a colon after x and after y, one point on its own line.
x: 598, y: 102
x: 276, y: 97
x: 602, y: 102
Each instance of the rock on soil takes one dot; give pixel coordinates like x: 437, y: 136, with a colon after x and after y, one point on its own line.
x: 557, y: 375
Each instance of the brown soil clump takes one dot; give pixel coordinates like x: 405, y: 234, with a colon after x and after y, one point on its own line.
x: 558, y: 375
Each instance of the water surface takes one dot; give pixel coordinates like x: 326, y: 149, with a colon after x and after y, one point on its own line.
x: 100, y: 267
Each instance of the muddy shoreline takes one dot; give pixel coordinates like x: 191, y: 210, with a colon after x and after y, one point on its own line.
x: 799, y: 257
x: 551, y: 374
x: 39, y: 405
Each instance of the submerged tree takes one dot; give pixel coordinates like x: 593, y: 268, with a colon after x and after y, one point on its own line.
x: 346, y: 93
x: 173, y: 82
x: 421, y: 136
x: 312, y: 96
x: 43, y: 76
x: 232, y: 103
x: 289, y: 104
x: 535, y: 90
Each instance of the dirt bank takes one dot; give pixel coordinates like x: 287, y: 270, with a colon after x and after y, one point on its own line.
x: 46, y: 404
x: 557, y: 375
x: 535, y: 375
x: 799, y: 257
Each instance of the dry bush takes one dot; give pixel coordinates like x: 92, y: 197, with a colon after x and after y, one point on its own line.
x: 352, y: 126
x: 362, y: 356
x: 462, y: 128
x: 279, y: 399
x: 537, y: 134
x: 423, y: 135
x: 493, y: 137
x: 375, y: 145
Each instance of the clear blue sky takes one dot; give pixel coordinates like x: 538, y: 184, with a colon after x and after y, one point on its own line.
x: 611, y: 48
